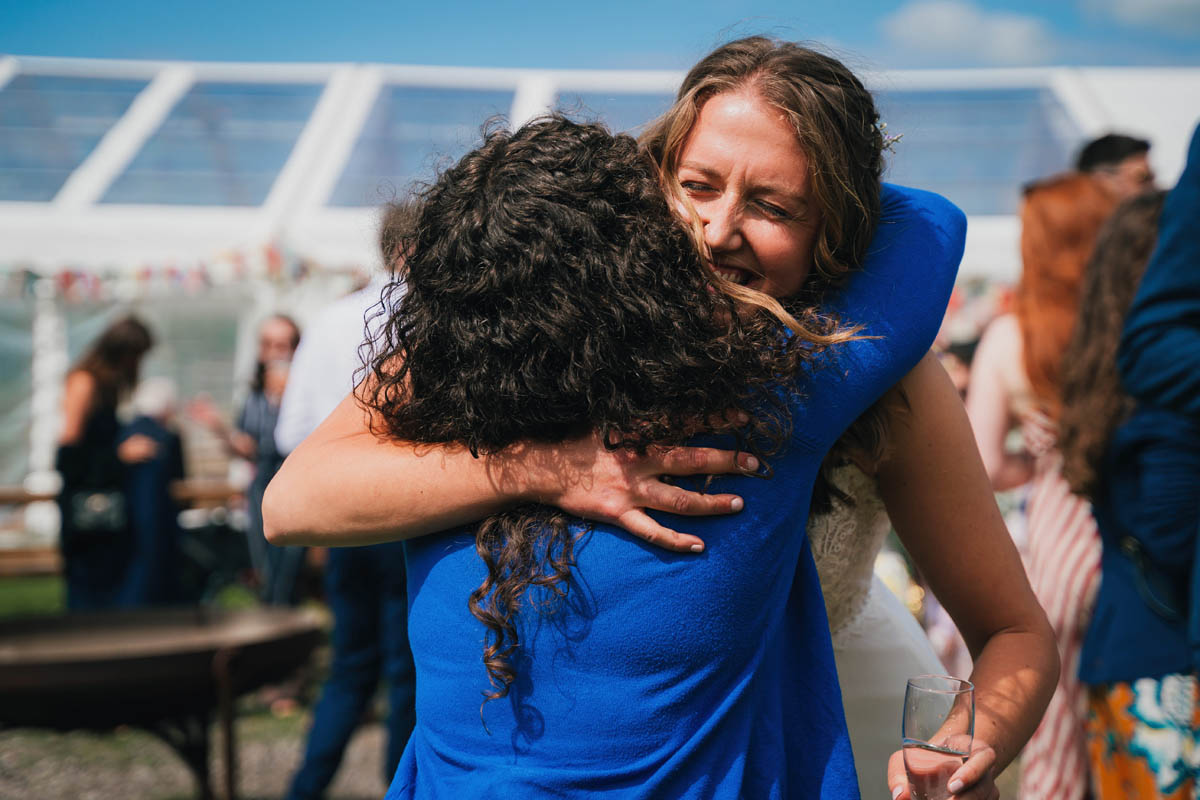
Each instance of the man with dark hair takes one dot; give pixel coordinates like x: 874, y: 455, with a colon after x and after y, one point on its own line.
x: 1120, y: 162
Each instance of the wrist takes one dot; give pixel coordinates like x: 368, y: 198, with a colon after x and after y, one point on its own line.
x: 529, y: 476
x: 512, y: 476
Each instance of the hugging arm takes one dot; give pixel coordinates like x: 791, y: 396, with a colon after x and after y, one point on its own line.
x: 344, y: 485
x: 941, y: 504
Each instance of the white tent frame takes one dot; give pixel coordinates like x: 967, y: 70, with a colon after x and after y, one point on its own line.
x: 74, y: 229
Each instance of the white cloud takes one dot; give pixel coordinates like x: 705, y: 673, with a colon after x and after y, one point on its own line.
x: 958, y: 30
x: 1171, y: 16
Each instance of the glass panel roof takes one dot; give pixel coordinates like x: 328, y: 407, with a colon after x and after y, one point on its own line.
x: 410, y: 132
x: 977, y: 147
x: 223, y: 144
x: 623, y: 113
x: 49, y: 124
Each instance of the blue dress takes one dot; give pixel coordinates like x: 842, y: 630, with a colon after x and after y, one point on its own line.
x: 681, y: 676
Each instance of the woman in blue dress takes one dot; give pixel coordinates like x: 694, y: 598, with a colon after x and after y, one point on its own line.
x: 679, y: 675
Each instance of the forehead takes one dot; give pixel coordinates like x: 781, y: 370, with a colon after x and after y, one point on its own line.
x: 739, y: 132
x: 275, y: 328
x: 1136, y: 162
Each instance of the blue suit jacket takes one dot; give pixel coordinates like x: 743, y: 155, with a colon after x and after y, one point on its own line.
x: 1150, y: 480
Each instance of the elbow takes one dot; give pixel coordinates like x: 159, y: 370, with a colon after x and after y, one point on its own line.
x: 278, y: 518
x: 1042, y: 651
x: 1055, y: 666
x: 1050, y: 647
x: 1007, y: 470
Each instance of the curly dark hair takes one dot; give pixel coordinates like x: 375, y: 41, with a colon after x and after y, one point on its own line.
x: 551, y: 292
x: 1093, y: 401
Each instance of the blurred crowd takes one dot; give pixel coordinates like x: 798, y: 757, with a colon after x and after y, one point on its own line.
x: 120, y: 456
x: 1098, y: 474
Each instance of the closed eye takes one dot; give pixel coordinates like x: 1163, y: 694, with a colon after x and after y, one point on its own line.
x: 695, y: 187
x: 773, y: 211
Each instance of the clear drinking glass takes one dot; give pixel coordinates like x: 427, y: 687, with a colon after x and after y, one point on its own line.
x: 938, y: 726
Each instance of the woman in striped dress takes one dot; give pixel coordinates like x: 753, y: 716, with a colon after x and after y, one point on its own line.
x: 1015, y: 382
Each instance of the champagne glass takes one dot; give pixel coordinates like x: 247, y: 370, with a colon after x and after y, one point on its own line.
x: 938, y: 726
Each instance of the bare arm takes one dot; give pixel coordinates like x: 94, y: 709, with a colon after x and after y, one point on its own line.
x: 990, y: 400
x: 238, y: 443
x: 345, y: 486
x: 938, y: 496
x: 79, y: 395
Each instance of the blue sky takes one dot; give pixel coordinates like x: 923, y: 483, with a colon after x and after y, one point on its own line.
x: 608, y: 33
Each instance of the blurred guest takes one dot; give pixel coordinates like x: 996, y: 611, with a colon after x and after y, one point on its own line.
x: 1142, y: 651
x: 956, y: 359
x: 1121, y: 162
x: 96, y: 540
x: 365, y: 586
x: 153, y: 575
x: 1015, y: 380
x: 253, y: 438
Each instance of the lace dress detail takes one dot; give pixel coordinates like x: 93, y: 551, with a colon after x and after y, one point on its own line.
x: 877, y: 643
x: 844, y: 544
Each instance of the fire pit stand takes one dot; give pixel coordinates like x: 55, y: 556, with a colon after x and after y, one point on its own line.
x: 166, y: 671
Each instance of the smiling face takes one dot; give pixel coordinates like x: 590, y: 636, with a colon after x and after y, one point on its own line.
x: 276, y: 340
x: 743, y: 170
x: 1129, y: 177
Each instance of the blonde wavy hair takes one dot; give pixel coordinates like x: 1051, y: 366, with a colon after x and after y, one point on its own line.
x: 837, y: 125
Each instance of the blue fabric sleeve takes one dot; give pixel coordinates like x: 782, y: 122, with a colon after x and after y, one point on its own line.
x: 1160, y: 348
x: 899, y: 296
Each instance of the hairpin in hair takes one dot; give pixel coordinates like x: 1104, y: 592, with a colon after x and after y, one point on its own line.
x: 889, y: 140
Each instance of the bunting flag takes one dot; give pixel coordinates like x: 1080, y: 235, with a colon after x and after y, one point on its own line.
x: 273, y: 263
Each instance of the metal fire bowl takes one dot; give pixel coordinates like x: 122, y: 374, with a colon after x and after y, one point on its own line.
x: 101, y: 669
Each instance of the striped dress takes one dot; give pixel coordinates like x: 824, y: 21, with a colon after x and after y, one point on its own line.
x: 1064, y: 569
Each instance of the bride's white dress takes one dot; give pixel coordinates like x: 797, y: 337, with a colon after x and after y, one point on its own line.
x: 877, y: 643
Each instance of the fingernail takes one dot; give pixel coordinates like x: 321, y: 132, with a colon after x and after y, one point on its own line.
x: 737, y: 503
x: 896, y: 792
x: 698, y: 548
x: 749, y: 462
x: 954, y: 785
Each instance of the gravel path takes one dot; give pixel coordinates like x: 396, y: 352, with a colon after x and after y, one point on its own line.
x: 129, y: 764
x: 132, y: 765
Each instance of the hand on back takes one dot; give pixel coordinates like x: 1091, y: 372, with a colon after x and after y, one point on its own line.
x: 587, y: 479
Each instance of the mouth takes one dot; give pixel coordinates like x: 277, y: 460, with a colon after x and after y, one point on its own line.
x: 741, y: 277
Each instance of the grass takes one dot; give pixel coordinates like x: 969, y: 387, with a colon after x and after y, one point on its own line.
x: 46, y: 594
x: 43, y: 594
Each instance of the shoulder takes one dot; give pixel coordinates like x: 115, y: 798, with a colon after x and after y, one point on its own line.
x: 915, y: 252
x: 253, y: 408
x: 81, y: 386
x: 1003, y: 334
x: 999, y: 346
x: 947, y: 222
x: 1000, y: 349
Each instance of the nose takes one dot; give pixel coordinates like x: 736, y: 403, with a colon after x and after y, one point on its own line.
x: 722, y: 224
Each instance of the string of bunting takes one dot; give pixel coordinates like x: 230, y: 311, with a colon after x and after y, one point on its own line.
x: 271, y: 262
